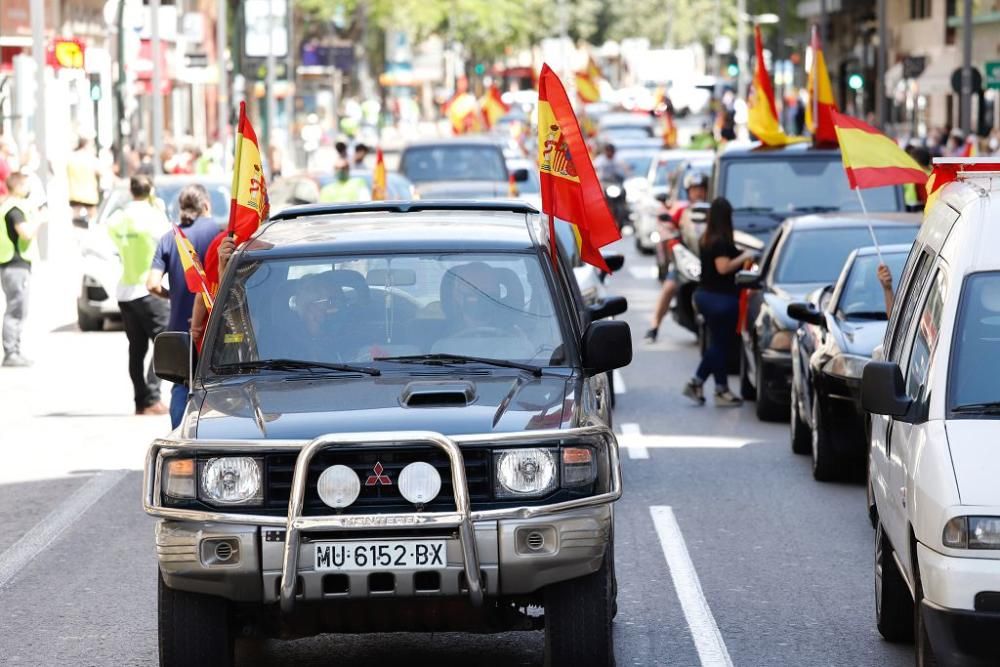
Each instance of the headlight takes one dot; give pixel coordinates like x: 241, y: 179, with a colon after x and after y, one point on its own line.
x: 178, y: 478
x: 419, y: 482
x: 972, y: 532
x: 525, y: 472
x: 655, y: 237
x: 338, y: 486
x: 846, y: 366
x: 231, y: 480
x: 613, y: 191
x: 781, y: 341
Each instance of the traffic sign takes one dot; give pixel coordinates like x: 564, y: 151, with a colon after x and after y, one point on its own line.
x: 992, y: 69
x: 956, y: 80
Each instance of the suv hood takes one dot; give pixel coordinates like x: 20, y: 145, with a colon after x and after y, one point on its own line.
x: 303, y: 408
x: 975, y: 455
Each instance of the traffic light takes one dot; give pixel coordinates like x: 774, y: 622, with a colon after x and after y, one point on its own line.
x: 733, y: 70
x: 855, y: 81
x: 480, y: 69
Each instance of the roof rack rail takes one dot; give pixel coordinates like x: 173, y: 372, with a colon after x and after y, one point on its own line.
x: 415, y: 206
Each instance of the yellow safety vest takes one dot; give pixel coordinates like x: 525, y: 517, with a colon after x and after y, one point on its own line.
x: 27, y: 249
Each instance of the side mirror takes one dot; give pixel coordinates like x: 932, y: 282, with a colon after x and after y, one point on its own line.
x: 521, y: 175
x: 172, y: 356
x: 749, y: 279
x: 614, y: 261
x: 608, y: 307
x: 806, y: 312
x: 883, y: 391
x: 606, y: 346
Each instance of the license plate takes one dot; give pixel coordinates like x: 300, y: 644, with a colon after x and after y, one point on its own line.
x: 382, y: 555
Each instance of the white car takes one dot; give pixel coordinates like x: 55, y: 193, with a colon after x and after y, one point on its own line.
x: 934, y: 394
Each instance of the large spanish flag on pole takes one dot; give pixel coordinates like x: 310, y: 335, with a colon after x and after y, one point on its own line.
x: 762, y: 118
x: 871, y: 159
x: 249, y: 205
x: 821, y: 103
x: 569, y: 185
x: 194, y: 272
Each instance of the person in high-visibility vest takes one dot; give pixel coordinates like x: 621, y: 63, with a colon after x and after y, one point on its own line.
x: 344, y: 188
x: 18, y: 227
x: 136, y: 230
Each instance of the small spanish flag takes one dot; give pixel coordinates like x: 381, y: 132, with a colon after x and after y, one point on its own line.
x: 587, y: 82
x: 493, y: 106
x: 762, y: 117
x: 380, y: 190
x: 871, y: 159
x: 249, y: 205
x: 821, y: 102
x: 194, y: 272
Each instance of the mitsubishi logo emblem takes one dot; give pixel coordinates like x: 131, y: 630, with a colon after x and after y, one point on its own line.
x: 378, y: 478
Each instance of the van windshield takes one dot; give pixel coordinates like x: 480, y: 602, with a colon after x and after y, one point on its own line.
x: 975, y: 359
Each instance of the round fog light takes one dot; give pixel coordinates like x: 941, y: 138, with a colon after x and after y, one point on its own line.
x: 338, y: 486
x: 419, y: 483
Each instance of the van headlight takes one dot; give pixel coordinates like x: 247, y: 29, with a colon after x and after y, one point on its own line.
x: 231, y: 480
x: 972, y: 532
x: 847, y: 366
x: 523, y: 473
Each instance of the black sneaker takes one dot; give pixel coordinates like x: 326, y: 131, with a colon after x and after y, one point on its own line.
x: 695, y: 392
x: 650, y: 336
x: 726, y: 399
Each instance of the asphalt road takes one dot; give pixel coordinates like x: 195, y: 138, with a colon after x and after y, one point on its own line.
x: 726, y: 547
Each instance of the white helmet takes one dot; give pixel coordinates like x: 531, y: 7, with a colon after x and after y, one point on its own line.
x: 695, y: 179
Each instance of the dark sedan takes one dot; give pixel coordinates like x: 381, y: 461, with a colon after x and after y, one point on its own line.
x: 841, y: 326
x: 805, y: 254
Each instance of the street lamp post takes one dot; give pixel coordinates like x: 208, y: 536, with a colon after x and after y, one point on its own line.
x: 222, y: 122
x: 41, y: 109
x: 965, y: 103
x: 157, y: 97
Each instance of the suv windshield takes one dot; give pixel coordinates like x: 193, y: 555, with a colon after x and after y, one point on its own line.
x: 862, y: 296
x: 423, y: 164
x: 818, y: 255
x: 975, y: 358
x: 353, y: 309
x: 784, y: 186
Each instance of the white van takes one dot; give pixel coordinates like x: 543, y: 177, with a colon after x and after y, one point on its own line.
x: 934, y: 394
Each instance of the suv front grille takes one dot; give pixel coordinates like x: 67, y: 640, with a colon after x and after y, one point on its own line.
x: 379, y: 498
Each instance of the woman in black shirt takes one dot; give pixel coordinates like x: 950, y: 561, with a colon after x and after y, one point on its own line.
x: 717, y: 299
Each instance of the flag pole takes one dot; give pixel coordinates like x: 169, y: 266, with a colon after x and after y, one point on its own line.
x: 552, y: 243
x: 871, y: 230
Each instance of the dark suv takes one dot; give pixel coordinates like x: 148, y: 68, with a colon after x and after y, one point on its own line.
x: 400, y: 420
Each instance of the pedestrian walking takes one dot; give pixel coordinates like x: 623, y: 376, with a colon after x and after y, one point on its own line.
x: 717, y: 299
x: 18, y: 227
x: 200, y: 229
x: 83, y: 178
x: 344, y: 188
x: 136, y: 230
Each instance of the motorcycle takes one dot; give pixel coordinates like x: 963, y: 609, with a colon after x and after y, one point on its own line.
x: 614, y: 194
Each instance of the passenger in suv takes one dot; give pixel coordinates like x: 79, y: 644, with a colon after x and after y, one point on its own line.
x: 934, y: 395
x: 437, y: 457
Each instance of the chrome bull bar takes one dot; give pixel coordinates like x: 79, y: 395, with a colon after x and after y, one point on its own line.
x: 295, y: 523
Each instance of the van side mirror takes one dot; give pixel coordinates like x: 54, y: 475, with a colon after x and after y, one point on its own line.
x: 172, y: 356
x: 806, y: 312
x: 607, y: 345
x: 521, y: 175
x: 750, y: 279
x: 883, y: 391
x: 608, y: 307
x: 614, y: 261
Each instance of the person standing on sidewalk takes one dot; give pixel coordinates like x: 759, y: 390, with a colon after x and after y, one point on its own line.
x: 200, y: 229
x: 136, y: 230
x: 18, y: 227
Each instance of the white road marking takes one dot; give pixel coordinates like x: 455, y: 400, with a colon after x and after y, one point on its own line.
x: 45, y: 532
x: 708, y: 640
x: 632, y: 439
x: 619, y: 379
x: 643, y: 272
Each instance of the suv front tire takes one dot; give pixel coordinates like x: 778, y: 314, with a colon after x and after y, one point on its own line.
x: 194, y: 630
x: 578, y: 616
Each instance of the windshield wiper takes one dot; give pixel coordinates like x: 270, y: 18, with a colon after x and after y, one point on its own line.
x: 988, y: 407
x: 293, y: 364
x: 815, y: 209
x: 753, y: 209
x: 866, y: 315
x: 444, y: 358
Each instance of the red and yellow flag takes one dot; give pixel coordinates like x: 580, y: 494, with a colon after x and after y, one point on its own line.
x: 569, y: 185
x: 493, y: 106
x: 945, y: 172
x: 821, y: 102
x: 587, y: 82
x: 969, y: 150
x: 380, y: 190
x: 249, y: 205
x: 464, y: 113
x: 871, y: 159
x: 194, y: 272
x: 762, y: 117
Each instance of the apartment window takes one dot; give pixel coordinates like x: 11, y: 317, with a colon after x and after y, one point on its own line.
x: 920, y: 9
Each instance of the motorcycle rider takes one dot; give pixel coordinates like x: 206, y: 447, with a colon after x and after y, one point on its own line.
x: 612, y: 173
x: 696, y: 184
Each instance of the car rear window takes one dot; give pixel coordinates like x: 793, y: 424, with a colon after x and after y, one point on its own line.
x: 422, y: 164
x: 818, y: 255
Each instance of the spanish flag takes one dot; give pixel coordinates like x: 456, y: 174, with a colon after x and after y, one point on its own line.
x: 493, y: 106
x: 587, y: 82
x: 194, y: 272
x: 569, y: 185
x: 380, y: 190
x: 871, y: 159
x: 464, y: 113
x: 762, y: 118
x: 249, y: 205
x: 821, y: 102
x: 946, y: 172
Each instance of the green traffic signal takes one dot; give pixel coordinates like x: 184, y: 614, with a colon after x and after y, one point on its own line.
x: 733, y: 69
x: 856, y: 82
x: 480, y: 69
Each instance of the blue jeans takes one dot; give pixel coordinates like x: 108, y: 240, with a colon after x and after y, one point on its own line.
x: 178, y: 401
x: 721, y: 312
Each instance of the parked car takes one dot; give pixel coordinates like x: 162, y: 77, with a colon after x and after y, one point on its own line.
x: 100, y: 261
x: 933, y: 393
x: 415, y: 456
x: 446, y: 168
x: 840, y: 326
x: 804, y: 254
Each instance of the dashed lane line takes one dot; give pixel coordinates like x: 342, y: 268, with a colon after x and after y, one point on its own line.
x: 632, y: 439
x: 619, y: 379
x: 46, y: 531
x: 708, y: 640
